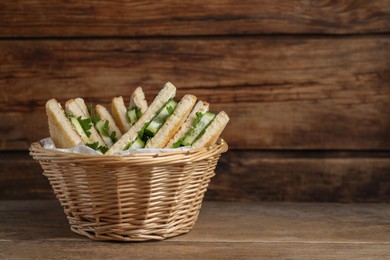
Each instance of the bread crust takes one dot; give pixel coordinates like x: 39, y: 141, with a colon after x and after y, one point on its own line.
x: 137, y: 99
x: 118, y: 112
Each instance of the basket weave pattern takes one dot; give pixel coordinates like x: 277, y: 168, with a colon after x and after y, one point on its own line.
x: 130, y: 198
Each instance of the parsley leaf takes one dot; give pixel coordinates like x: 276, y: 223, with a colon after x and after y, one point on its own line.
x: 138, y: 112
x: 178, y: 143
x: 105, y: 129
x: 86, y: 125
x: 103, y: 149
x: 113, y: 136
x: 94, y: 118
x: 170, y: 109
x: 89, y: 108
x: 96, y: 147
x: 199, y: 116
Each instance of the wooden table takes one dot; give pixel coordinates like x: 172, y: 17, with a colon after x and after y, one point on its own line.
x: 39, y: 229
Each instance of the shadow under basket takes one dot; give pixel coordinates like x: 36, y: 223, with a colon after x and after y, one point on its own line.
x: 130, y: 198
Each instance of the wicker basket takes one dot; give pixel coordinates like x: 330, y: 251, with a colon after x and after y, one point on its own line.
x: 130, y: 198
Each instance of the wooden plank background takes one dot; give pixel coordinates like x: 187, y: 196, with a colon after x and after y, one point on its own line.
x: 36, y: 18
x: 299, y: 79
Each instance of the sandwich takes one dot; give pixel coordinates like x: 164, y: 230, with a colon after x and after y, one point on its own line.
x: 160, y: 137
x: 137, y: 104
x: 78, y: 125
x: 80, y: 118
x: 164, y: 124
x: 161, y: 120
x: 200, y: 107
x: 209, y: 134
x: 106, y: 126
x: 124, y: 116
x: 202, y: 128
x: 61, y: 130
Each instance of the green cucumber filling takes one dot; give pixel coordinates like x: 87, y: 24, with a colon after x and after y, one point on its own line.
x: 108, y: 136
x: 197, y: 129
x: 133, y: 114
x: 82, y: 127
x: 150, y: 129
x: 158, y: 121
x: 137, y: 143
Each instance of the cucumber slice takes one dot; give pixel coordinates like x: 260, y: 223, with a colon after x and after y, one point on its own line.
x: 200, y: 127
x: 152, y: 128
x: 138, y: 143
x: 79, y: 129
x: 166, y: 111
x: 102, y: 128
x: 158, y: 121
x: 132, y: 116
x: 107, y: 140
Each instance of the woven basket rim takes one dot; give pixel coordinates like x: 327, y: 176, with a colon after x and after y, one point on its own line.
x: 220, y: 147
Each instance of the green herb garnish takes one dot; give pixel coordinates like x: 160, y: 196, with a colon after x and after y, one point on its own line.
x: 199, y: 116
x: 67, y: 114
x: 105, y: 129
x: 138, y: 112
x: 94, y: 117
x: 190, y: 132
x: 103, y: 149
x: 96, y: 147
x: 86, y: 125
x: 178, y: 143
x: 170, y: 109
x: 113, y: 136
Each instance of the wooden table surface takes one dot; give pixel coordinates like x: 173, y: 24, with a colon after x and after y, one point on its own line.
x: 38, y: 229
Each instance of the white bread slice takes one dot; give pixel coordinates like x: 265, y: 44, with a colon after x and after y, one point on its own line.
x: 61, y: 130
x: 213, y: 131
x: 78, y: 108
x: 137, y: 99
x: 118, y: 111
x: 168, y: 92
x: 173, y: 123
x: 201, y: 107
x: 103, y: 114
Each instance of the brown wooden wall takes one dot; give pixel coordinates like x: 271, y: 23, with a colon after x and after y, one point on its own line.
x: 306, y: 84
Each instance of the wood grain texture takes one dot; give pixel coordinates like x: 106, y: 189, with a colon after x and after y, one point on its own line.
x: 22, y: 178
x: 294, y: 93
x: 223, y: 231
x: 61, y: 18
x: 247, y: 176
x: 193, y: 250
